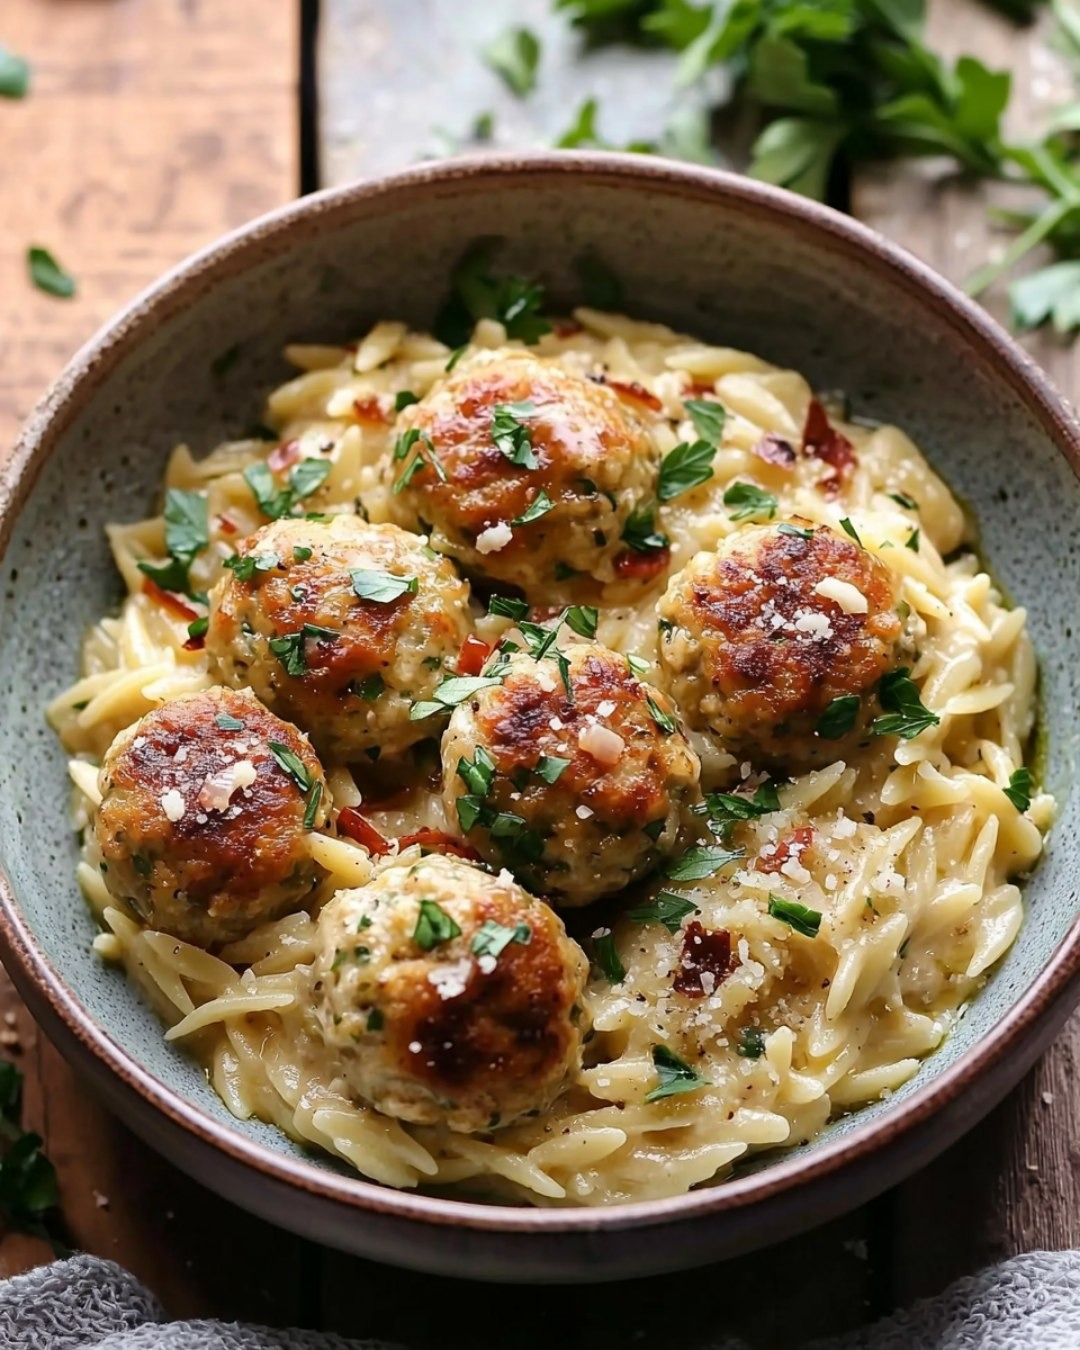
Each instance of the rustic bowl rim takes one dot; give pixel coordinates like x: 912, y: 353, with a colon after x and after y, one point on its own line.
x: 276, y: 232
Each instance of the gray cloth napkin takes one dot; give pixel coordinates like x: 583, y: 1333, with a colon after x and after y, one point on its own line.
x: 1031, y: 1302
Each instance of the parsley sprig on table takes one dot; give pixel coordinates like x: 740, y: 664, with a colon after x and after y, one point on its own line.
x: 838, y: 83
x: 28, y: 1190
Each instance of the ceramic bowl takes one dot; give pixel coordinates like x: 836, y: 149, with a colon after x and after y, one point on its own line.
x: 720, y: 256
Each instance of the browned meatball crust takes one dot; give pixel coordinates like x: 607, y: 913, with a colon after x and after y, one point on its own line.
x: 202, y: 831
x: 590, y: 454
x: 761, y: 637
x: 454, y: 996
x: 585, y: 794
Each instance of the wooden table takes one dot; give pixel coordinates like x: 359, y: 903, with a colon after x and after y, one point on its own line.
x: 154, y: 125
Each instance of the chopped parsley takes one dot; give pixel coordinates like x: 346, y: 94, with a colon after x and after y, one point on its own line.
x: 850, y: 530
x: 582, y: 619
x: 839, y: 717
x: 47, y: 274
x: 797, y: 531
x: 305, y: 478
x: 382, y: 588
x: 477, y: 773
x: 1019, y: 789
x: 906, y: 715
x: 686, y: 467
x: 453, y: 690
x: 607, y: 956
x: 227, y: 722
x: 666, y: 908
x: 369, y: 688
x: 700, y: 861
x: 433, y: 926
x: 550, y: 767
x: 198, y: 628
x: 291, y: 763
x: 708, y: 418
x: 912, y: 541
x: 514, y: 56
x: 506, y: 607
x: 244, y: 568
x: 28, y: 1190
x: 750, y: 502
x: 639, y: 667
x: 477, y: 293
x: 375, y: 1020
x: 540, y: 505
x: 14, y: 75
x: 674, y: 1076
x: 640, y: 533
x: 803, y: 919
x: 492, y: 939
x: 751, y: 1043
x: 725, y: 809
x: 187, y: 533
x: 301, y: 553
x: 291, y: 649
x: 663, y: 720
x: 512, y: 436
x: 902, y: 499
x: 311, y: 810
x: 425, y: 455
x: 404, y: 398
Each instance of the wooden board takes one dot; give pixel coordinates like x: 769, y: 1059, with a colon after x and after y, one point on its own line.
x: 152, y: 126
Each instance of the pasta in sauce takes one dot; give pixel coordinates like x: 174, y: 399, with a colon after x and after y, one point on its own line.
x: 786, y: 935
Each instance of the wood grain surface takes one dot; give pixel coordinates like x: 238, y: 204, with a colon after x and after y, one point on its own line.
x: 152, y: 126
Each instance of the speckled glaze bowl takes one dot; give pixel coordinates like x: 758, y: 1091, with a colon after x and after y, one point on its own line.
x: 719, y: 256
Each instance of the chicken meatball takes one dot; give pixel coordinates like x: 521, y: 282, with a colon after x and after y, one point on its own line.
x: 207, y: 806
x: 339, y: 626
x: 524, y: 471
x: 452, y: 996
x: 579, y: 791
x: 776, y: 642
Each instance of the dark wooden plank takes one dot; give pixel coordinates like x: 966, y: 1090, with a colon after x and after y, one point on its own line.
x: 152, y: 127
x: 1013, y: 1184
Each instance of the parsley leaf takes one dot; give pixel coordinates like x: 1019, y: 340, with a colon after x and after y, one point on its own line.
x: 666, y: 908
x: 850, y: 530
x: 800, y: 917
x: 477, y: 773
x: 291, y: 763
x: 305, y: 478
x: 902, y: 499
x: 511, y: 436
x: 507, y: 607
x: 514, y: 56
x: 382, y: 588
x: 433, y: 926
x: 47, y: 274
x: 14, y: 75
x: 674, y: 1076
x: 912, y: 541
x: 477, y: 293
x: 751, y: 1043
x: 540, y: 505
x: 725, y: 809
x: 750, y: 502
x: 550, y: 768
x: 404, y: 398
x: 453, y: 690
x: 187, y: 533
x: 700, y: 861
x: 663, y: 720
x: 311, y: 810
x: 687, y: 466
x: 582, y: 619
x: 291, y: 648
x: 708, y: 418
x: 839, y: 717
x: 492, y: 939
x: 607, y: 956
x: 905, y: 714
x: 640, y: 534
x: 1019, y: 789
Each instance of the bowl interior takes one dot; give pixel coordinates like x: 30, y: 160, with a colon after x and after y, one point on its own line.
x: 710, y: 261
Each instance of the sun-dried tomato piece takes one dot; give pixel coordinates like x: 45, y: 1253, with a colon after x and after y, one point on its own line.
x: 636, y: 393
x: 369, y: 410
x: 705, y: 960
x: 791, y: 847
x: 642, y: 566
x: 440, y: 842
x: 821, y: 440
x: 474, y: 652
x: 352, y: 824
x: 283, y: 456
x: 169, y: 600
